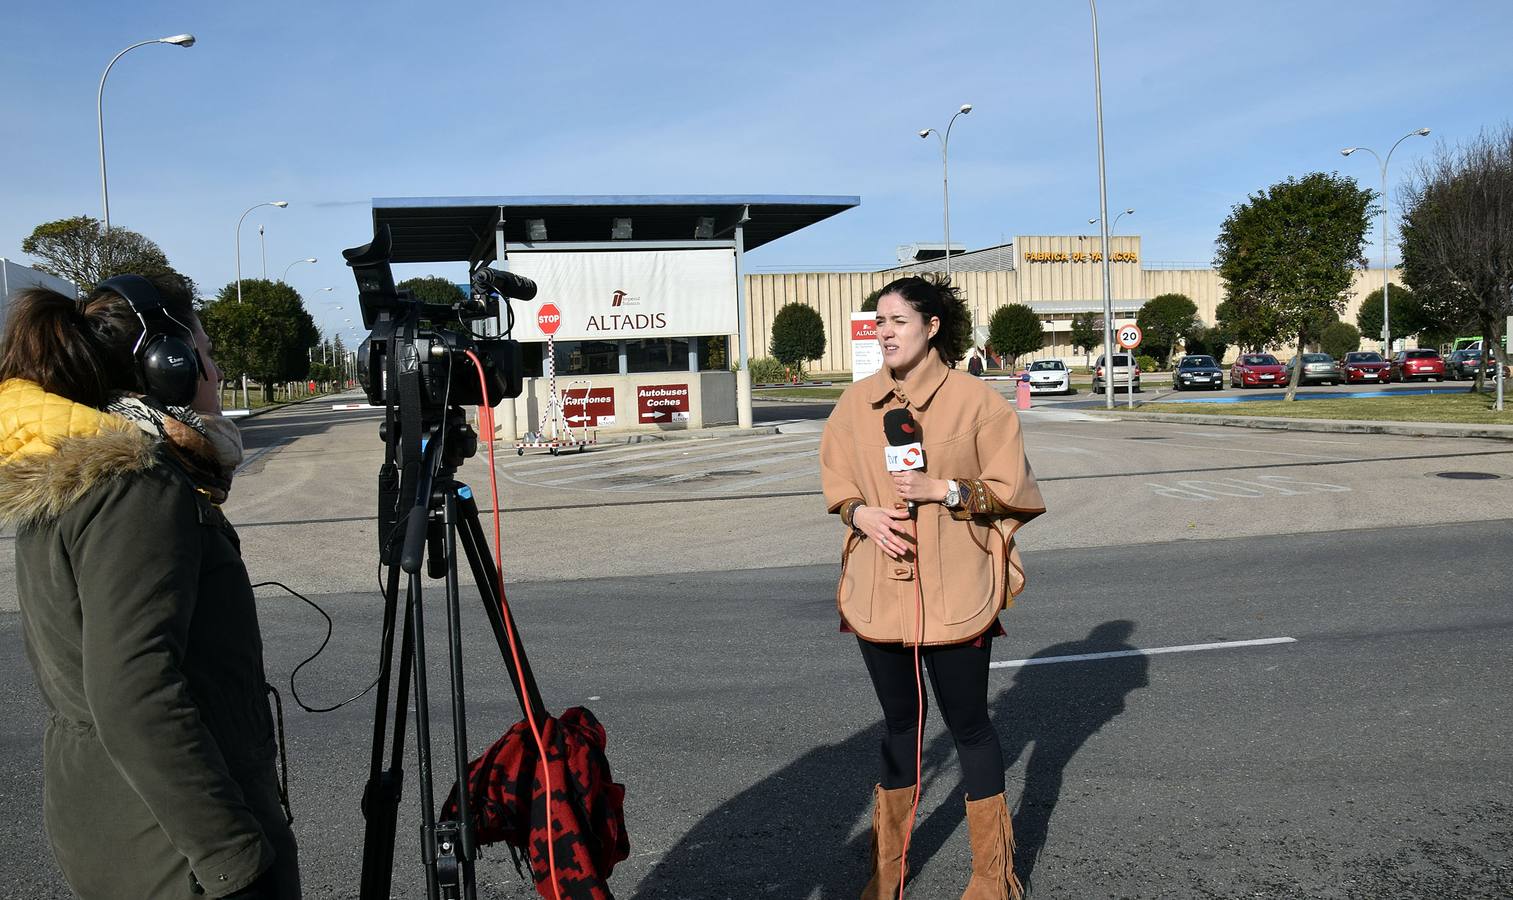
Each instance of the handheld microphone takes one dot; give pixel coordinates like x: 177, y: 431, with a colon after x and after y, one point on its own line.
x: 904, y: 450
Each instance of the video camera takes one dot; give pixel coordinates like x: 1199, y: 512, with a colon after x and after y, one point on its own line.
x: 432, y: 339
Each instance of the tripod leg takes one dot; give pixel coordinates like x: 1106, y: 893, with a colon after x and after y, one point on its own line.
x: 464, y: 847
x: 380, y: 802
x: 428, y: 846
x: 470, y: 531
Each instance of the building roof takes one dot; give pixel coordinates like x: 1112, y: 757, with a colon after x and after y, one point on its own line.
x: 453, y: 229
x: 988, y: 259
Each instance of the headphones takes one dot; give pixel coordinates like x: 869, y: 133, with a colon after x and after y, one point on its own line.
x: 167, y: 359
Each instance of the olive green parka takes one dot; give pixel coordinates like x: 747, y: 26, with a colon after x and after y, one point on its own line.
x: 140, y: 624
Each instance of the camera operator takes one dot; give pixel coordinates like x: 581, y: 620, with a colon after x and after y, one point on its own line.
x: 139, y: 618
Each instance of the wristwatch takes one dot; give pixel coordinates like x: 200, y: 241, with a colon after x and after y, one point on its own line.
x: 953, y: 494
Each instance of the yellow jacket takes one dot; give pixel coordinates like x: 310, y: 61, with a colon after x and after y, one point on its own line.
x: 968, y: 566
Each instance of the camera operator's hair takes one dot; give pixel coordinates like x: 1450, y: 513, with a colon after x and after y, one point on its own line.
x: 81, y: 349
x: 939, y: 298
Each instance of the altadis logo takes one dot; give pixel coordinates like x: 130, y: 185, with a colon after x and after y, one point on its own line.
x: 624, y: 299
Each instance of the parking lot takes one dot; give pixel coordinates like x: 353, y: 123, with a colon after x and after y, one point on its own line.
x: 1319, y: 708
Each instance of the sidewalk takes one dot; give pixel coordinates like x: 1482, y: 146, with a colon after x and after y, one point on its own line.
x: 1327, y: 426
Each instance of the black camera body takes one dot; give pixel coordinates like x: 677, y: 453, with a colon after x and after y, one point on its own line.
x: 432, y: 340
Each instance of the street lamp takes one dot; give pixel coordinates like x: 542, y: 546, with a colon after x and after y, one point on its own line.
x: 285, y: 277
x: 1108, y: 293
x: 179, y: 40
x: 278, y: 203
x: 945, y: 181
x: 1386, y: 321
x: 1127, y: 212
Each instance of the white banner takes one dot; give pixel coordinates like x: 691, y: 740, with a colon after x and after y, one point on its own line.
x: 615, y: 294
x: 866, y: 353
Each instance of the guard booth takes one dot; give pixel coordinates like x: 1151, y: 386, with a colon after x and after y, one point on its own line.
x: 651, y: 331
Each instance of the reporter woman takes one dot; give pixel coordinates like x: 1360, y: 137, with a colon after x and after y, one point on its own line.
x: 938, y: 581
x: 139, y: 620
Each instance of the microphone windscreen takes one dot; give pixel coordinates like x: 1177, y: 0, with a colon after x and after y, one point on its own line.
x: 900, y: 428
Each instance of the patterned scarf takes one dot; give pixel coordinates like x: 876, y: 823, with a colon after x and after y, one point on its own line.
x: 209, y: 447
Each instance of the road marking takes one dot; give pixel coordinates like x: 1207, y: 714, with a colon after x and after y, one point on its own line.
x: 696, y: 460
x: 1283, y: 485
x: 596, y: 456
x: 1088, y: 437
x: 1153, y: 651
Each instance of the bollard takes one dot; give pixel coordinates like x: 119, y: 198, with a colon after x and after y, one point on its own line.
x: 1022, y: 391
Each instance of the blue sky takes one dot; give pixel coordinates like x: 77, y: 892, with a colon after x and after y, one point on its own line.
x: 327, y: 105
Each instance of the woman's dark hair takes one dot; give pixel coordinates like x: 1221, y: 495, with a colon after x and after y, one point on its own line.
x: 939, y: 298
x: 81, y: 349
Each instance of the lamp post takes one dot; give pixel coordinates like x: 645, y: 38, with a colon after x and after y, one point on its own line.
x: 1108, y: 293
x: 278, y: 203
x: 1386, y: 320
x: 1127, y: 212
x: 945, y: 179
x: 285, y: 277
x: 178, y: 40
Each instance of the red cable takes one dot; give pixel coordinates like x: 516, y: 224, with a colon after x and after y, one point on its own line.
x: 919, y: 726
x: 486, y: 425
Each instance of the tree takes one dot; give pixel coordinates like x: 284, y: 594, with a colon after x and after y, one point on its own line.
x: 1407, y: 314
x: 869, y: 303
x: 798, y: 335
x: 433, y: 289
x: 267, y: 335
x: 1457, y: 235
x: 80, y: 250
x: 1249, y: 323
x: 1164, y: 320
x: 1015, y: 330
x: 1287, y: 256
x: 1211, y: 341
x: 1339, y: 339
x: 1087, y: 333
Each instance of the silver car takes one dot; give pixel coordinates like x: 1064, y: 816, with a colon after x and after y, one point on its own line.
x: 1124, y: 369
x: 1318, y: 368
x: 1050, y: 376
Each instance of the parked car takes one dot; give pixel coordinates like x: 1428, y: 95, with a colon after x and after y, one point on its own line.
x: 1364, y: 367
x: 1124, y: 369
x: 1256, y: 370
x: 1197, y: 371
x: 1424, y: 363
x: 1050, y: 376
x: 1318, y: 368
x: 1466, y: 363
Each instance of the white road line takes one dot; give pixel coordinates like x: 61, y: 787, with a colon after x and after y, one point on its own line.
x: 596, y: 456
x: 1115, y: 654
x: 703, y: 458
x: 1088, y: 437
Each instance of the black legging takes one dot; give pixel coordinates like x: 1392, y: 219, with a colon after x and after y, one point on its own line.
x: 959, y: 675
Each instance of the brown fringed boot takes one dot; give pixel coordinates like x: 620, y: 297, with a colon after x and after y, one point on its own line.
x: 890, y: 826
x: 992, y: 832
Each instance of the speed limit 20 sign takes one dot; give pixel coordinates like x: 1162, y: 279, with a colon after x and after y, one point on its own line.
x: 1128, y: 336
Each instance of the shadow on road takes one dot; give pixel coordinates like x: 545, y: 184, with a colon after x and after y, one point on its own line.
x: 791, y: 834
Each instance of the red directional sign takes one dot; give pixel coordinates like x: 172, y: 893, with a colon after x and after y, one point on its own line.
x: 548, y: 318
x: 589, y: 408
x: 657, y: 403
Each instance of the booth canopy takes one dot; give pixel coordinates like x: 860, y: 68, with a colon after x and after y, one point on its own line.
x: 461, y: 229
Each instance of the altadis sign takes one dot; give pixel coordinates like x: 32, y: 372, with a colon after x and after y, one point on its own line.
x: 611, y: 295
x: 866, y: 354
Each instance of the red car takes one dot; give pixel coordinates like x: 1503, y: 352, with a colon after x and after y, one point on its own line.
x: 1257, y: 370
x: 1363, y: 366
x: 1410, y: 364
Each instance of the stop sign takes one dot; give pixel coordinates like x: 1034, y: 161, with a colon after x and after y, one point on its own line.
x: 548, y: 318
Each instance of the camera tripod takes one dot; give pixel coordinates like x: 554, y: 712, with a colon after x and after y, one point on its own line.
x: 443, y: 514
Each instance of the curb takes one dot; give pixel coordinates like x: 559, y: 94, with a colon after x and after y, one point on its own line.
x: 252, y: 414
x: 1326, y: 426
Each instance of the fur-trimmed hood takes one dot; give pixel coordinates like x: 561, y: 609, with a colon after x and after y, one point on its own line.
x: 53, y: 451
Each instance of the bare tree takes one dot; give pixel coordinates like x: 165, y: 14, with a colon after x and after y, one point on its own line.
x: 1457, y: 235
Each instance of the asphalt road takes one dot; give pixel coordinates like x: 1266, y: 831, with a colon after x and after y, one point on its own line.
x: 693, y: 611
